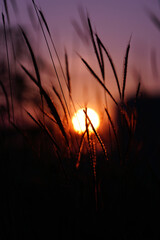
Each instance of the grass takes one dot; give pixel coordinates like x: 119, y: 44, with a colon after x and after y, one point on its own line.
x: 88, y: 188
x: 8, y: 62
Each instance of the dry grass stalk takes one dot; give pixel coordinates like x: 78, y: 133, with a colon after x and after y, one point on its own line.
x: 53, y: 44
x: 80, y: 149
x: 35, y: 66
x: 50, y: 104
x: 49, y: 50
x: 68, y: 74
x: 98, y: 79
x: 125, y: 69
x: 97, y: 136
x: 95, y: 48
x: 138, y: 90
x: 62, y: 104
x: 111, y: 63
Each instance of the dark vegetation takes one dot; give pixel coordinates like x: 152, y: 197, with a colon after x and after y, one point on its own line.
x: 55, y: 184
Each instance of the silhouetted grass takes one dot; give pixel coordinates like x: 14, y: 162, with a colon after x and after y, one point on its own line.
x: 98, y: 48
x: 80, y: 149
x: 8, y: 61
x: 7, y: 100
x: 49, y: 50
x: 51, y: 106
x: 97, y: 135
x: 111, y: 63
x: 62, y: 104
x: 125, y: 70
x: 99, y: 183
x: 98, y: 79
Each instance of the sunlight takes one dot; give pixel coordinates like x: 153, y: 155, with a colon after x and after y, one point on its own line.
x: 79, y: 120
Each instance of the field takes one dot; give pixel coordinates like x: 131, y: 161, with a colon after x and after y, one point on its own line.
x: 56, y: 183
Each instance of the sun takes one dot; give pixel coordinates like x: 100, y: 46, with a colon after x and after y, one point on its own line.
x: 79, y: 120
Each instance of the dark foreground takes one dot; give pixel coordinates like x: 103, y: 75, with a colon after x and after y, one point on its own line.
x: 37, y: 202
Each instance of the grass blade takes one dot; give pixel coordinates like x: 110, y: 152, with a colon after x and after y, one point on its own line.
x: 138, y: 90
x: 6, y: 10
x: 94, y: 163
x: 49, y: 50
x: 32, y: 56
x: 41, y: 126
x: 35, y: 121
x: 8, y: 63
x: 62, y: 104
x: 7, y: 100
x: 111, y: 63
x: 82, y: 30
x: 49, y: 33
x: 34, y: 64
x: 57, y: 147
x: 101, y: 58
x: 49, y: 103
x: 80, y: 149
x: 46, y: 25
x: 49, y: 116
x: 154, y: 19
x: 67, y: 73
x: 79, y: 31
x: 94, y: 45
x: 97, y: 135
x: 8, y: 19
x: 124, y: 115
x: 45, y: 22
x: 32, y: 18
x: 125, y: 69
x: 46, y: 130
x: 98, y: 79
x: 92, y: 153
x: 49, y: 135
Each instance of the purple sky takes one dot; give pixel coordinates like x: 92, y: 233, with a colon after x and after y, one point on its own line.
x: 115, y: 21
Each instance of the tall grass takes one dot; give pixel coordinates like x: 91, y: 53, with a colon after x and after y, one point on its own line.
x: 73, y: 144
x: 100, y: 179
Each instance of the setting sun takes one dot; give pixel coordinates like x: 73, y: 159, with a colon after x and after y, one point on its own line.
x: 79, y: 120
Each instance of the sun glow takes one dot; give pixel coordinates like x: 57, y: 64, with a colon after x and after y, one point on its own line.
x: 79, y: 120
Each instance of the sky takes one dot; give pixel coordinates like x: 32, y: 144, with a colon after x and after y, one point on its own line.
x: 115, y: 21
